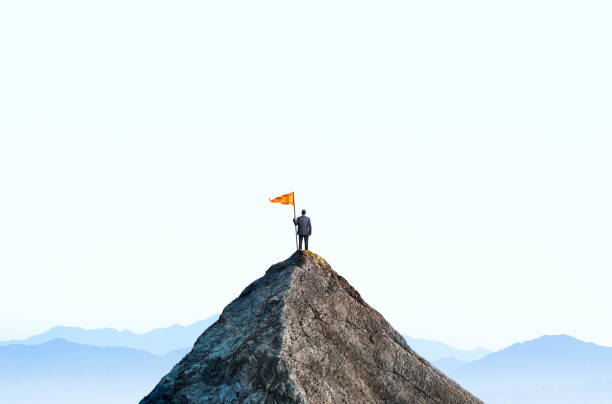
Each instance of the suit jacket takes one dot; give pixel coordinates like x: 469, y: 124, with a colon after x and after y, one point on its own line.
x: 304, y: 226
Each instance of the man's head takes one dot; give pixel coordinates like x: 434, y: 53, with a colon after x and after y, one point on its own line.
x: 303, y: 211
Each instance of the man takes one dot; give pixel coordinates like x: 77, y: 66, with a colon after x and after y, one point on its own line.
x: 304, y: 228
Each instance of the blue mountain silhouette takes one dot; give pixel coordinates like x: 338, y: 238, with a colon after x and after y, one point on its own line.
x: 158, y: 341
x: 551, y: 368
x: 103, y: 366
x: 434, y: 350
x: 59, y: 371
x: 163, y: 340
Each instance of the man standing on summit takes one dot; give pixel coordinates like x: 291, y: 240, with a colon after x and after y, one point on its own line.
x: 304, y: 228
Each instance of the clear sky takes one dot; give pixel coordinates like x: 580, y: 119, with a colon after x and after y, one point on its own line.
x: 454, y: 158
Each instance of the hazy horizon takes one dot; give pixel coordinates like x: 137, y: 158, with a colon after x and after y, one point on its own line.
x: 454, y: 159
x: 144, y: 331
x: 216, y: 315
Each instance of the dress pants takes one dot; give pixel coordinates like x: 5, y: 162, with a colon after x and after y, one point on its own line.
x: 305, y: 238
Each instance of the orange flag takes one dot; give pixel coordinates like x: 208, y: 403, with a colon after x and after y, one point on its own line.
x: 286, y: 199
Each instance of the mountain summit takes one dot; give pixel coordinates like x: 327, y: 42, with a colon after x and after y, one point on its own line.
x: 302, y: 334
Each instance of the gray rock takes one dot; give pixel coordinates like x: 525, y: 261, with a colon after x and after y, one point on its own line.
x: 302, y: 334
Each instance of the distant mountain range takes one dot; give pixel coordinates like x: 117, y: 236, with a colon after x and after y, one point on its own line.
x: 106, y: 365
x: 549, y: 369
x: 158, y: 341
x: 163, y: 340
x: 59, y: 371
x: 434, y: 350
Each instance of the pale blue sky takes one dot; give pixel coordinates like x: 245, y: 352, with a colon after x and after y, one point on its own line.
x: 454, y: 158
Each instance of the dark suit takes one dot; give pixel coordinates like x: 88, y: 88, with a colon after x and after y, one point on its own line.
x: 304, y: 229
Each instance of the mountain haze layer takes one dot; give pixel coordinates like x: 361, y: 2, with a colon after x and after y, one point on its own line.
x: 302, y: 334
x: 62, y: 372
x: 158, y: 341
x: 434, y: 350
x: 549, y: 369
x: 163, y: 340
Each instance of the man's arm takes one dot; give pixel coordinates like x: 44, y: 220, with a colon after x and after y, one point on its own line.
x: 295, y: 221
x: 309, y: 227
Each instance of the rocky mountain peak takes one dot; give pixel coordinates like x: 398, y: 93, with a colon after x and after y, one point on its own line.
x: 303, y: 334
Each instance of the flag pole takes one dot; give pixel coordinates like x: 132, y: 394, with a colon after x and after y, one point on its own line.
x: 296, y: 235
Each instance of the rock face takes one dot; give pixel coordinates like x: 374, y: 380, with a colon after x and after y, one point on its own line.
x: 302, y: 334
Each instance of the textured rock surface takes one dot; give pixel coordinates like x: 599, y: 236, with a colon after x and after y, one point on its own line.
x: 302, y: 334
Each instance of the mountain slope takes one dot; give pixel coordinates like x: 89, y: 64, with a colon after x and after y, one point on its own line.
x: 158, y: 341
x: 302, y: 334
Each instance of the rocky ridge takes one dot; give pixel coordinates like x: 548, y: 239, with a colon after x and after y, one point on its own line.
x: 303, y: 334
